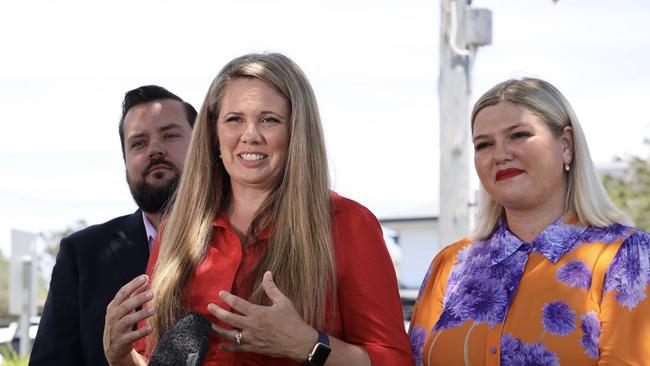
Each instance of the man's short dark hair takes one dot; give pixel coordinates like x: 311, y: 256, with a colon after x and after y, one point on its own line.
x: 150, y: 93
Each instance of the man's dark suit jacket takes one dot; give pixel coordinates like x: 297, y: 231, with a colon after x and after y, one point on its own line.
x: 92, y: 265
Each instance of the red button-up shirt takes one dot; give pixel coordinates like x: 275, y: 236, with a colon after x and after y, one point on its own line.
x: 369, y: 312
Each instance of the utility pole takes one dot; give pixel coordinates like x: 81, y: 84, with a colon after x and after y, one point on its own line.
x: 462, y: 30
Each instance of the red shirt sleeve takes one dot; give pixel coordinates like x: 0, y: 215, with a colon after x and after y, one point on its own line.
x: 368, y: 296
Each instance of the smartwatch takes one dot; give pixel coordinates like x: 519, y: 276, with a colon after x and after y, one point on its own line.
x: 320, y: 352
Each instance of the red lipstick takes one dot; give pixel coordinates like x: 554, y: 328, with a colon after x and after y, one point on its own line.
x: 508, y: 173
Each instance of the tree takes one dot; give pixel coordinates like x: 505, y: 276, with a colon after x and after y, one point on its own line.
x: 631, y: 190
x: 54, y: 238
x: 47, y: 256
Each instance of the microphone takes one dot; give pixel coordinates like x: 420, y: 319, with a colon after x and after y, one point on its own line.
x: 184, y: 344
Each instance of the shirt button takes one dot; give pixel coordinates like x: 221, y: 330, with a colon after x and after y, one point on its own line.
x: 493, y: 350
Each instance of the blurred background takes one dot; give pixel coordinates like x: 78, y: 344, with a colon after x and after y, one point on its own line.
x: 375, y: 67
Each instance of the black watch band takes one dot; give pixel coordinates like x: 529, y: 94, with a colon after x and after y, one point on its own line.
x: 320, y: 352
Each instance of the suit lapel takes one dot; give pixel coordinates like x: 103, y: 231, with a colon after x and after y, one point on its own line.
x: 130, y: 248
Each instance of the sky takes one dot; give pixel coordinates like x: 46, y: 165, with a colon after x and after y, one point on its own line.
x: 65, y: 66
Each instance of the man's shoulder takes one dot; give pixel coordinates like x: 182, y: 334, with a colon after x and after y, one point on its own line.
x: 105, y: 229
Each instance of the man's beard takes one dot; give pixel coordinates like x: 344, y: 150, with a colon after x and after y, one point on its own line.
x: 149, y: 198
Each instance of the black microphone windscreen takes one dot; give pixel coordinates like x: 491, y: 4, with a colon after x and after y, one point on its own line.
x: 187, y: 339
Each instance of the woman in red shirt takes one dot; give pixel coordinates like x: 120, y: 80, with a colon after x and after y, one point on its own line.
x: 285, y: 269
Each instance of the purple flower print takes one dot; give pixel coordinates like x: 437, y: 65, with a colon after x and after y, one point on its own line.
x: 503, y: 244
x: 606, y: 234
x: 475, y: 256
x: 447, y: 320
x: 509, y: 272
x: 418, y: 336
x: 590, y: 334
x: 557, y: 236
x: 511, y: 351
x: 575, y: 274
x: 563, y: 233
x: 465, y: 254
x: 536, y: 354
x: 629, y: 273
x: 464, y: 259
x: 425, y: 280
x: 517, y: 353
x: 469, y: 261
x: 479, y: 286
x: 500, y: 245
x: 557, y: 239
x: 558, y: 318
x: 630, y: 297
x: 482, y: 300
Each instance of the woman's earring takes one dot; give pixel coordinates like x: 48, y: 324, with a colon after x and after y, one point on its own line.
x: 567, y: 167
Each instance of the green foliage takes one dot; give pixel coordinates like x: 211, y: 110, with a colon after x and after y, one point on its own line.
x: 11, y: 357
x: 54, y: 238
x: 47, y: 259
x: 631, y: 191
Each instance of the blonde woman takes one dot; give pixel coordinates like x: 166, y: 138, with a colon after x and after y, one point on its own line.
x: 285, y: 269
x: 550, y: 277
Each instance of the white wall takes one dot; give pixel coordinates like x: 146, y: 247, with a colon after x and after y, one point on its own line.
x: 419, y: 242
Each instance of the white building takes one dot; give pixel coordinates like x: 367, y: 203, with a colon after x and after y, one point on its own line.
x: 416, y: 232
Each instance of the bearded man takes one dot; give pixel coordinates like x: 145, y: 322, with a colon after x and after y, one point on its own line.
x: 94, y: 263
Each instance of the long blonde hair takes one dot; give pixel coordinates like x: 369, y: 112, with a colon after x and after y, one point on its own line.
x: 299, y: 252
x: 586, y: 198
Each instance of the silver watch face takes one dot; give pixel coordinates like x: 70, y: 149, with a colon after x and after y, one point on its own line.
x: 319, y: 354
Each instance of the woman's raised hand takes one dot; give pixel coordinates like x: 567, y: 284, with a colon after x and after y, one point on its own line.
x: 276, y: 330
x: 121, y: 316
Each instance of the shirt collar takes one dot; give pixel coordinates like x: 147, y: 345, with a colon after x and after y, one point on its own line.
x: 149, y: 229
x: 223, y: 222
x: 553, y: 242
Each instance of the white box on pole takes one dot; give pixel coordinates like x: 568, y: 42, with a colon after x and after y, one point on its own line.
x: 22, y: 245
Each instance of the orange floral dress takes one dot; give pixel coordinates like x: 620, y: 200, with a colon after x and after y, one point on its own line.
x: 573, y: 296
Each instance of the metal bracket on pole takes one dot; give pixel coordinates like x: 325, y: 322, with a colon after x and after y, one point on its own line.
x: 478, y: 32
x: 479, y: 27
x: 454, y: 30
